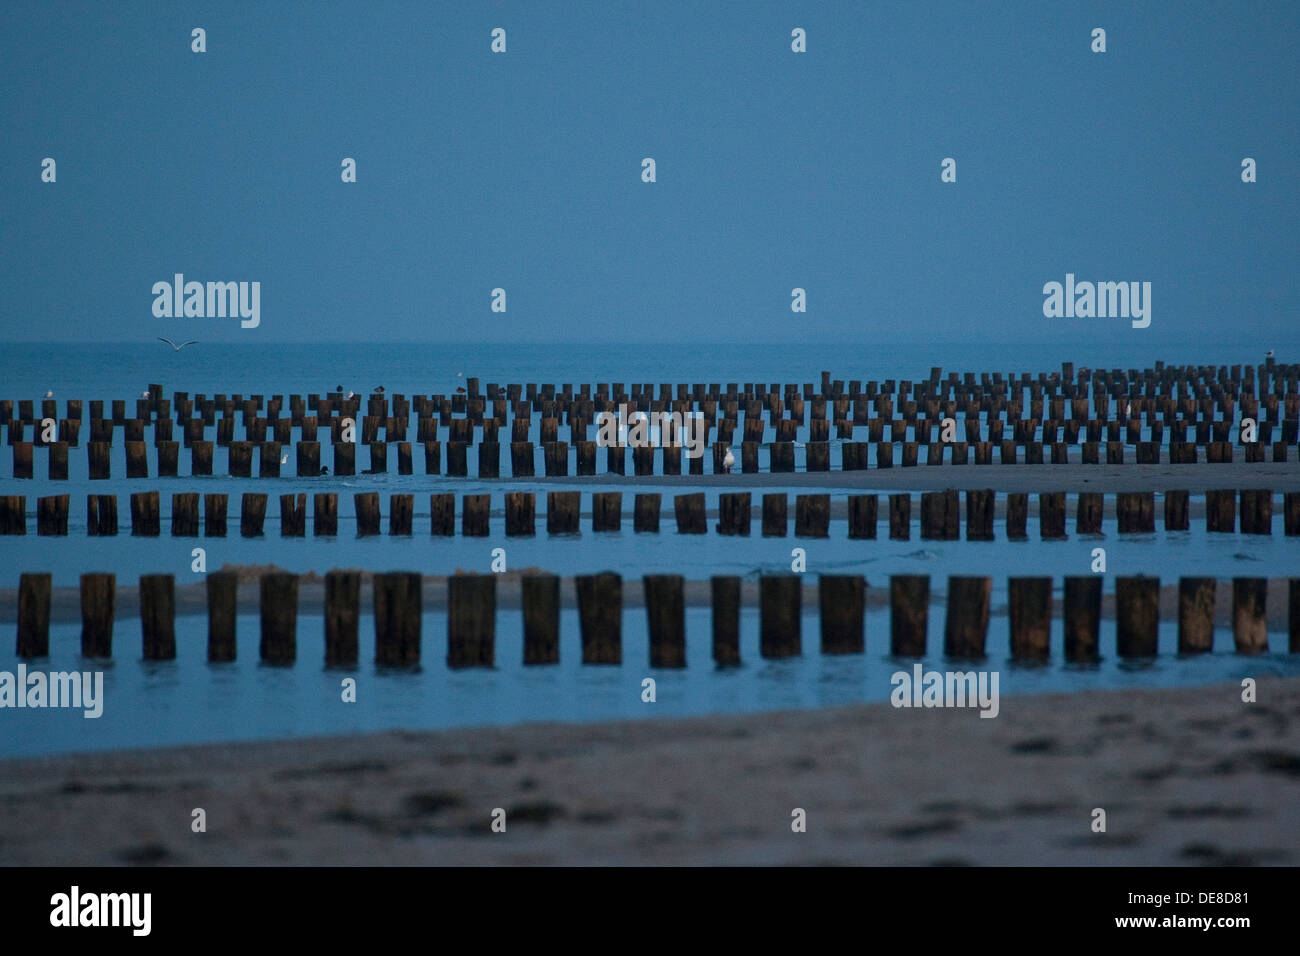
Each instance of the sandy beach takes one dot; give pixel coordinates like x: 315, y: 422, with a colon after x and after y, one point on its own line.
x: 1186, y: 776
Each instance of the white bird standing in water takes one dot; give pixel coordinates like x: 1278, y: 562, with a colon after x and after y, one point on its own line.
x: 284, y: 459
x: 729, y: 460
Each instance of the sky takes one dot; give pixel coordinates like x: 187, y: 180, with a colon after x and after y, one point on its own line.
x: 775, y: 170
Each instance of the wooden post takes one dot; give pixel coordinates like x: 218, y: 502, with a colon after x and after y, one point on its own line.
x: 1249, y: 625
x: 1029, y: 603
x: 101, y: 515
x: 23, y: 465
x: 884, y: 455
x: 541, y: 600
x: 1051, y: 515
x: 158, y: 616
x: 432, y: 457
x: 521, y: 514
x: 51, y: 515
x: 1137, y: 615
x: 812, y: 516
x: 200, y: 458
x: 1196, y: 615
x: 900, y: 516
x: 98, y: 455
x: 862, y: 516
x: 689, y: 511
x: 563, y: 511
x: 345, y: 458
x: 342, y: 618
x: 774, y: 515
x: 779, y: 614
x: 240, y: 459
x: 252, y: 515
x: 600, y: 617
x: 222, y: 589
x: 475, y: 510
x: 308, y: 459
x: 13, y: 514
x: 33, y: 617
x: 1088, y: 513
x: 145, y: 520
x: 1256, y: 511
x: 401, y: 514
x: 1293, y: 615
x: 606, y: 511
x: 1017, y: 517
x: 214, y: 516
x: 909, y: 614
x: 979, y: 515
x: 397, y: 607
x: 325, y: 514
x: 1135, y: 512
x: 293, y: 516
x: 841, y: 599
x: 58, y: 461
x: 666, y: 618
x: 1082, y: 618
x: 442, y: 511
x: 645, y: 515
x: 279, y: 642
x: 98, y: 596
x: 734, y: 513
x: 185, y: 515
x: 967, y: 621
x: 726, y: 620
x: 1176, y: 511
x: 1291, y: 513
x: 1221, y: 511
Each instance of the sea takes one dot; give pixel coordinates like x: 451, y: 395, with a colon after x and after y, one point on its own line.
x: 188, y: 701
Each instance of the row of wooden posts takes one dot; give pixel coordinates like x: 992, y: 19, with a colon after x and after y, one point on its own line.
x: 1221, y: 386
x: 471, y: 617
x: 853, y: 456
x: 940, y: 514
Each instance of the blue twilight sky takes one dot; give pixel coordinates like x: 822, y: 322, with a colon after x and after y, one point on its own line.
x: 775, y: 169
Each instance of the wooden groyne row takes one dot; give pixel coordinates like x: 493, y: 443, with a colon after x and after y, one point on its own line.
x: 939, y: 514
x: 1179, y: 408
x: 471, y: 617
x: 559, y: 459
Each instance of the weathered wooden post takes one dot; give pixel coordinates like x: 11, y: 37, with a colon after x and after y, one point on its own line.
x: 98, y: 597
x: 841, y: 600
x: 1196, y: 615
x: 475, y: 510
x: 397, y: 607
x: 600, y: 617
x: 293, y: 516
x: 101, y: 515
x: 1135, y: 512
x: 222, y: 589
x: 158, y: 616
x: 342, y: 618
x: 1051, y: 515
x: 325, y: 514
x: 563, y: 512
x: 442, y: 513
x: 1256, y: 511
x: 725, y: 593
x: 979, y: 515
x: 812, y: 516
x: 774, y: 515
x: 541, y: 601
x: 33, y: 616
x: 909, y: 612
x: 1030, y: 609
x: 690, y: 514
x: 666, y: 619
x: 645, y: 515
x: 279, y: 641
x: 779, y: 615
x: 521, y: 514
x: 252, y: 515
x: 900, y: 516
x: 401, y: 514
x: 1221, y: 511
x: 1249, y: 624
x: 734, y: 513
x: 967, y: 621
x: 1137, y: 615
x: 214, y: 516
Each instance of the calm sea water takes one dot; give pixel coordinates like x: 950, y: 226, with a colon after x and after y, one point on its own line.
x: 189, y: 700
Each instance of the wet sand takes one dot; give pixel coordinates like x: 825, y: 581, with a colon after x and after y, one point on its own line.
x: 1186, y: 776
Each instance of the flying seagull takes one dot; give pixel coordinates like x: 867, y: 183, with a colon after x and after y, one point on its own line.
x: 175, y: 347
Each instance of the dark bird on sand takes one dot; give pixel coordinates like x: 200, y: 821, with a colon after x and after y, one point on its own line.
x: 175, y: 347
